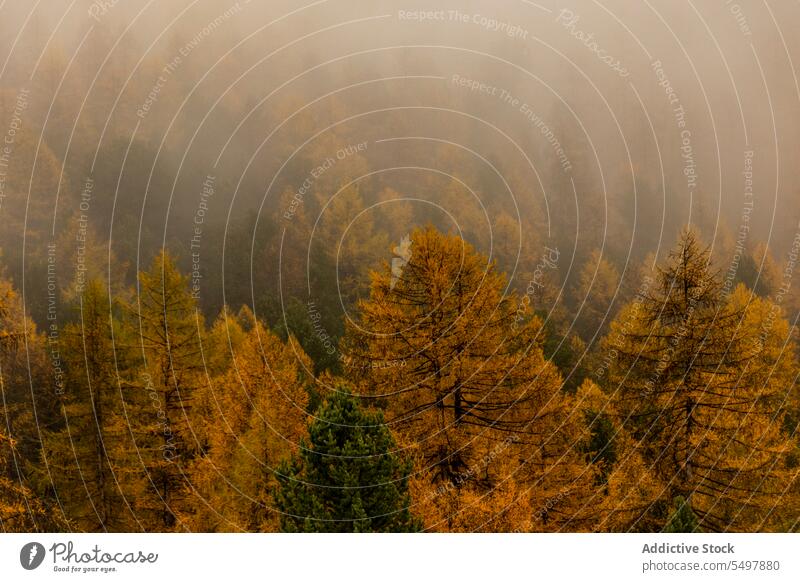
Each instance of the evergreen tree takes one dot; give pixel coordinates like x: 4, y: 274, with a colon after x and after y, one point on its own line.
x: 683, y: 519
x: 600, y: 448
x: 348, y: 477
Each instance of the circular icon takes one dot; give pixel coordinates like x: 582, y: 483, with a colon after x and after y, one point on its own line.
x: 31, y: 555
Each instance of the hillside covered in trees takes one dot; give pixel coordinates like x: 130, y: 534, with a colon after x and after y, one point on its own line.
x: 349, y: 267
x: 448, y: 407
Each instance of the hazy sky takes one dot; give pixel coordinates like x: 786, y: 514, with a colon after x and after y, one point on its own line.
x: 651, y: 108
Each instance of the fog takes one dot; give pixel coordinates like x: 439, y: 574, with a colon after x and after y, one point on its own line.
x: 593, y: 125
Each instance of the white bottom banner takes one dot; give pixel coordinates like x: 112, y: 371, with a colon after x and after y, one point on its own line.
x: 370, y: 557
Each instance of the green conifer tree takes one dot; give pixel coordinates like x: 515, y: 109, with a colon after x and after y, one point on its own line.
x: 683, y: 519
x: 348, y: 477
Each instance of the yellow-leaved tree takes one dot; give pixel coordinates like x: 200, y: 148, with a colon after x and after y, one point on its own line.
x: 250, y: 418
x: 455, y: 359
x: 24, y: 385
x: 702, y: 385
x: 166, y: 331
x: 90, y: 457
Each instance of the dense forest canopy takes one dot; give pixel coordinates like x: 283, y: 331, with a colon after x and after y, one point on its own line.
x: 361, y: 267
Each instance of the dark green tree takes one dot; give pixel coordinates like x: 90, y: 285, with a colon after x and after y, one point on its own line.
x: 347, y: 478
x: 601, y: 448
x: 683, y: 519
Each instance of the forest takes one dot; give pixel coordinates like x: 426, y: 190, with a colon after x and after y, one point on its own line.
x: 361, y: 283
x: 445, y: 405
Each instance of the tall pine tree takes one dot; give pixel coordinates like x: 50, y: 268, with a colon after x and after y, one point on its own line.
x: 348, y: 477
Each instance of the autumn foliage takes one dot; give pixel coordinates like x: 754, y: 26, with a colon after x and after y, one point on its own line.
x: 445, y: 406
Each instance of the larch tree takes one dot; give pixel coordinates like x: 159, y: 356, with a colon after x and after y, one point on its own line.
x: 21, y: 509
x: 395, y: 214
x: 348, y: 240
x: 759, y: 271
x: 466, y: 209
x: 166, y: 329
x: 250, y: 418
x: 87, y: 456
x: 592, y: 296
x: 702, y: 384
x: 456, y: 362
x: 25, y: 503
x: 513, y: 247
